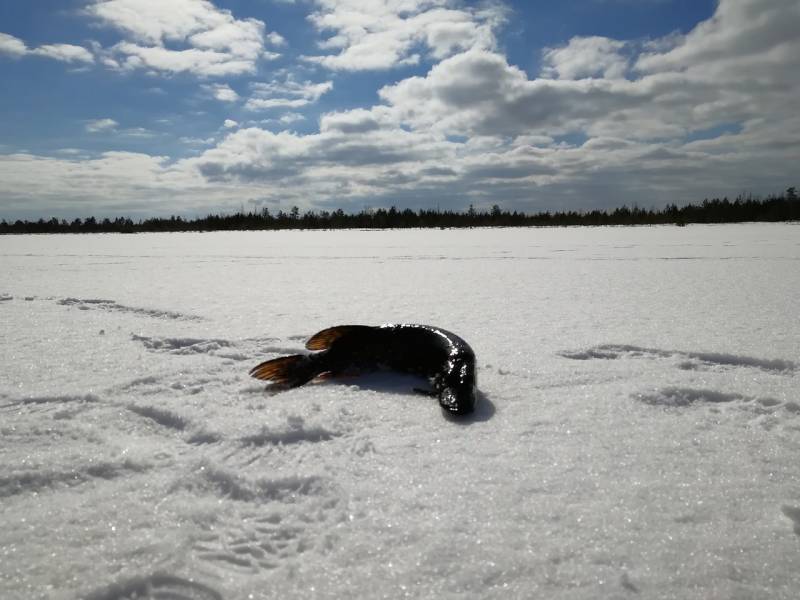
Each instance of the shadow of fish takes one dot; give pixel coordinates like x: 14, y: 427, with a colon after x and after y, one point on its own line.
x: 439, y: 355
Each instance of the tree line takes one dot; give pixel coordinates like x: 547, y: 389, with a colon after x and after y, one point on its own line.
x: 782, y: 207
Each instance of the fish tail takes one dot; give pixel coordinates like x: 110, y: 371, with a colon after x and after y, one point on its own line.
x: 289, y: 371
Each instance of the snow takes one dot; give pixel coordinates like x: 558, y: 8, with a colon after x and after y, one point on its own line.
x: 638, y: 432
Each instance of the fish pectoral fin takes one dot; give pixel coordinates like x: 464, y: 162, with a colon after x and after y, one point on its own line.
x: 290, y: 371
x: 322, y: 340
x: 422, y: 392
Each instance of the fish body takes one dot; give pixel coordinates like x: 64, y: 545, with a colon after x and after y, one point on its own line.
x: 439, y: 355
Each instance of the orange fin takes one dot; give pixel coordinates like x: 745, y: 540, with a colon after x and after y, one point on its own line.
x: 279, y: 370
x: 322, y: 340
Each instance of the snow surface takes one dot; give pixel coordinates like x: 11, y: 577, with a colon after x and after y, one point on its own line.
x: 638, y: 433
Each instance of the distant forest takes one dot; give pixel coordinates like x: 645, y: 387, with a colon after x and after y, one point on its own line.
x: 784, y: 207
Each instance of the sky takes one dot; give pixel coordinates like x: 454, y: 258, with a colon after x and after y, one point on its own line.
x: 150, y: 108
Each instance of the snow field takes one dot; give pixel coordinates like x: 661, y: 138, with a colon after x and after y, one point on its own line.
x: 638, y: 432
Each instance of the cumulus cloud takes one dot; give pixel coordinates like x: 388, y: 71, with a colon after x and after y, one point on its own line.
x: 694, y: 83
x: 214, y: 43
x: 12, y: 46
x: 479, y: 93
x: 286, y: 94
x: 15, y: 47
x: 357, y: 121
x: 741, y: 34
x: 586, y: 57
x: 222, y: 92
x: 382, y: 34
x: 206, y: 63
x: 276, y: 39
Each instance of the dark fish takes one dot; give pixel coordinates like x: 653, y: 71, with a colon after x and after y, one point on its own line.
x: 443, y: 357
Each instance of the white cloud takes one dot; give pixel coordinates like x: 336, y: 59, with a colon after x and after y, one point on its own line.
x: 741, y: 34
x: 276, y: 39
x: 284, y: 120
x: 268, y: 103
x: 214, y: 42
x: 286, y: 94
x: 193, y: 141
x: 113, y: 183
x: 207, y: 63
x: 331, y: 166
x: 100, y: 125
x: 357, y: 121
x: 290, y: 118
x: 230, y: 124
x: 64, y: 53
x: 61, y: 52
x: 12, y: 46
x: 742, y: 64
x: 586, y: 57
x: 222, y: 92
x: 381, y: 34
x: 479, y: 93
x: 154, y: 22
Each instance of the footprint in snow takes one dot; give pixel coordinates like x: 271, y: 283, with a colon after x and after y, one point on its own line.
x: 220, y: 348
x: 771, y: 411
x: 793, y: 513
x: 768, y: 411
x: 687, y: 360
x: 158, y: 586
x: 113, y: 306
x: 263, y: 523
x: 162, y: 417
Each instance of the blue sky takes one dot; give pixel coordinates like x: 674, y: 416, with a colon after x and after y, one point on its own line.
x: 145, y: 107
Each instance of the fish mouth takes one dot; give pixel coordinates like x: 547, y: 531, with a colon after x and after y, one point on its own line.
x: 457, y: 402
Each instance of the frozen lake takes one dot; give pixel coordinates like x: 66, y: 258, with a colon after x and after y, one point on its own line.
x: 638, y: 433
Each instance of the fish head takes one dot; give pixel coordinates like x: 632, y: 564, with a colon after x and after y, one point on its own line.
x: 459, y: 390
